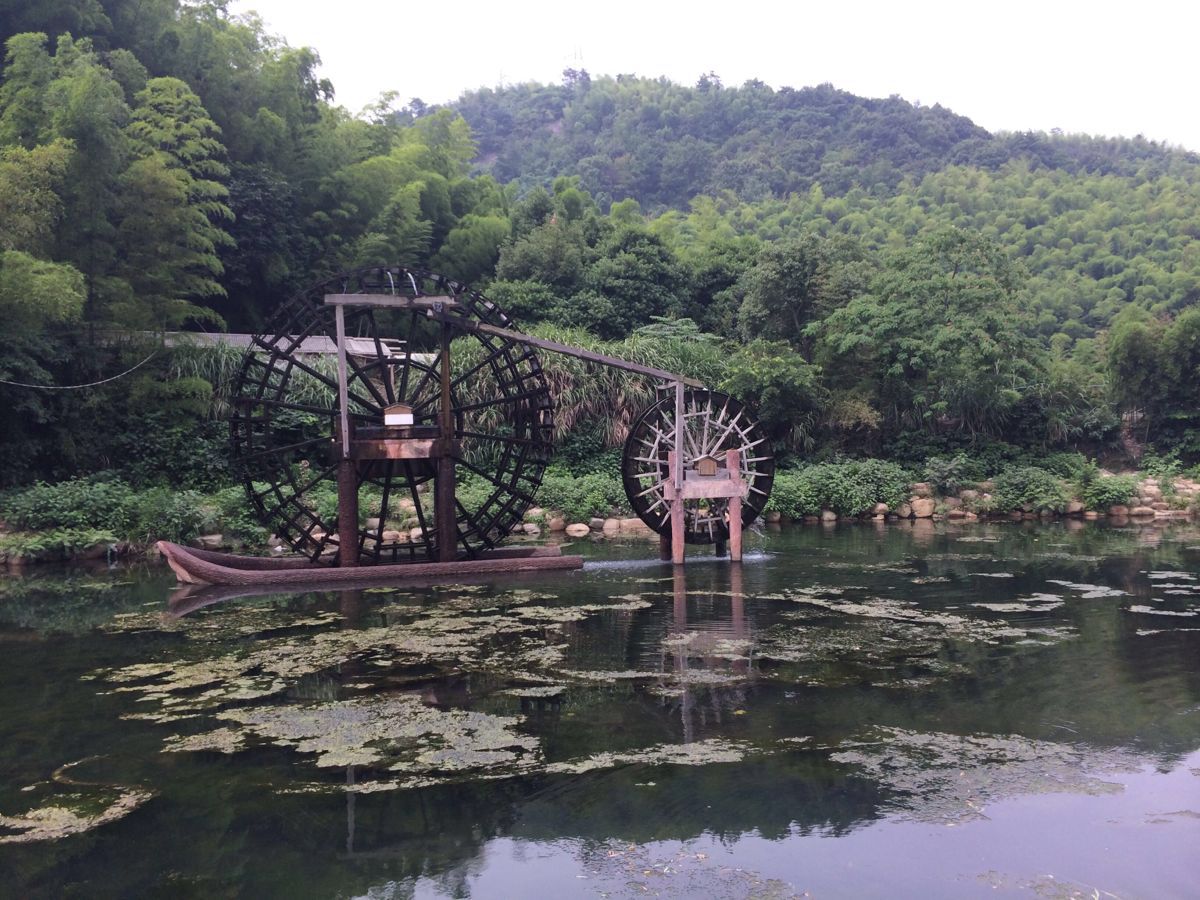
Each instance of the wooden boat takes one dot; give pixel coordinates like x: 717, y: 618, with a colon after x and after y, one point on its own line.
x: 186, y: 599
x: 192, y: 566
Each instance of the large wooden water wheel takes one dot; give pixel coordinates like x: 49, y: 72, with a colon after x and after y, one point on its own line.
x: 384, y: 427
x: 705, y: 426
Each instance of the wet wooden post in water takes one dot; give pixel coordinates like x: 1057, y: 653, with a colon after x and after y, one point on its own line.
x: 733, y: 463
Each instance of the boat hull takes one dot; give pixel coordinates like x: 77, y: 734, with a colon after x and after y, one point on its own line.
x: 193, y: 566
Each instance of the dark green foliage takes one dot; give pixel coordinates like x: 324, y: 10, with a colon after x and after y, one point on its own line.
x: 795, y: 284
x: 1029, y: 488
x: 848, y: 489
x: 163, y: 449
x: 85, y: 503
x: 784, y: 392
x: 948, y: 475
x: 929, y: 289
x: 941, y: 336
x: 84, y: 506
x: 580, y: 497
x: 54, y: 544
x: 1102, y: 493
x: 585, y: 451
x: 1066, y: 465
x: 164, y: 513
x: 664, y: 143
x: 793, y: 496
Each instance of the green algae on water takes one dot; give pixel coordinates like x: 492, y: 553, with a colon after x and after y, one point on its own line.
x: 951, y: 779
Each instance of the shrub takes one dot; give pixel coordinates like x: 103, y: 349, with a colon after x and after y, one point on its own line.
x: 793, y: 496
x: 229, y: 511
x: 948, y: 474
x: 1101, y: 493
x: 1029, y: 488
x: 81, y: 503
x: 1166, y: 468
x: 1070, y: 466
x: 165, y: 514
x: 849, y: 488
x: 583, y: 451
x: 55, y: 542
x: 581, y: 497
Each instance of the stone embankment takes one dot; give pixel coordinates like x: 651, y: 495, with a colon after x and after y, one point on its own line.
x: 538, y: 519
x: 1152, y: 500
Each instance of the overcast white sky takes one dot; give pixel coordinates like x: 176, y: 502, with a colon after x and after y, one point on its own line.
x: 1099, y: 67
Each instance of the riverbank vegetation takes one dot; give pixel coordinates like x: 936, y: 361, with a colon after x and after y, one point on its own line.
x: 878, y: 280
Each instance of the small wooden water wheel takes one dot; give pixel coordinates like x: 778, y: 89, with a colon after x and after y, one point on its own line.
x: 393, y: 422
x: 718, y: 443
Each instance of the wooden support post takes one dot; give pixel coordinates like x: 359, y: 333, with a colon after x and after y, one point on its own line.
x: 347, y: 474
x: 677, y: 521
x: 664, y: 547
x: 719, y: 546
x: 347, y: 482
x: 675, y: 464
x: 445, y: 514
x: 733, y: 462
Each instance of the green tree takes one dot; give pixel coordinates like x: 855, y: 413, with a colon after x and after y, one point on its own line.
x: 172, y: 208
x: 36, y: 294
x: 28, y: 71
x: 472, y: 247
x: 168, y: 258
x: 638, y: 275
x: 553, y: 253
x: 85, y: 105
x: 1139, y: 369
x: 939, y: 338
x: 30, y: 201
x: 784, y: 391
x: 796, y: 283
x: 400, y: 233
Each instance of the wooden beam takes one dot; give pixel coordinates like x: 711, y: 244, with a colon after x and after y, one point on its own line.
x: 577, y: 352
x: 347, y: 484
x: 347, y: 473
x: 394, y: 301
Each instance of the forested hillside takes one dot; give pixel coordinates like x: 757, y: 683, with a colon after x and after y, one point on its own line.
x: 663, y: 143
x: 873, y: 276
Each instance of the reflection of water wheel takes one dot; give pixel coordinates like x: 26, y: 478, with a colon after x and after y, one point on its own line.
x: 713, y: 423
x: 286, y: 410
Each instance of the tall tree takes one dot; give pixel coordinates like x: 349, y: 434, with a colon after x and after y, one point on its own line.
x: 31, y: 182
x: 173, y: 205
x: 86, y: 105
x: 28, y: 71
x: 796, y: 283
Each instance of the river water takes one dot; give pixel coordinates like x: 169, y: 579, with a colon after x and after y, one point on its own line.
x: 855, y: 711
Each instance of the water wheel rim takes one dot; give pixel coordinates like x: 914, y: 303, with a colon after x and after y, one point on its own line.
x: 714, y: 423
x: 285, y: 406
